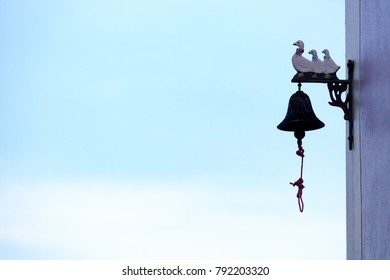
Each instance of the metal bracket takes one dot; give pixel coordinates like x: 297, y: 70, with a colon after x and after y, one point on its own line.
x: 336, y: 89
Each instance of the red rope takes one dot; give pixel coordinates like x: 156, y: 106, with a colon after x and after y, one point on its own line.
x: 299, y: 182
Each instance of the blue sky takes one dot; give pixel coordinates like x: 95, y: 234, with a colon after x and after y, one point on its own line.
x: 147, y: 130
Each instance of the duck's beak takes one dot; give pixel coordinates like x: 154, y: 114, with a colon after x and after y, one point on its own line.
x: 295, y: 44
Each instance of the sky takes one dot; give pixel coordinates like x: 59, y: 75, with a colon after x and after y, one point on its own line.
x: 147, y: 130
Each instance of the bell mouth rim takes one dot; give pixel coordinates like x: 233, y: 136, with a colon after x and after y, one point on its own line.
x: 308, y: 126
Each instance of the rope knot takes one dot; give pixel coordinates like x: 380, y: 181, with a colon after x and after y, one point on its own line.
x: 300, y: 151
x: 299, y: 184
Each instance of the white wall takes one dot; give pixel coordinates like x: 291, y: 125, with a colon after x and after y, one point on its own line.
x: 368, y: 165
x: 352, y: 43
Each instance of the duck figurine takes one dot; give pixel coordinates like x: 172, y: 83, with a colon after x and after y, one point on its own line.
x: 300, y: 63
x: 330, y: 66
x: 317, y: 64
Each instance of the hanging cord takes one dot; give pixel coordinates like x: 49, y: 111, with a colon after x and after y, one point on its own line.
x: 299, y: 182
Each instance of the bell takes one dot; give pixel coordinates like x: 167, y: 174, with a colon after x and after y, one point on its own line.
x: 300, y: 116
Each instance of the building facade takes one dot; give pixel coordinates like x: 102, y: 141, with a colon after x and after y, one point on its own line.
x: 368, y: 164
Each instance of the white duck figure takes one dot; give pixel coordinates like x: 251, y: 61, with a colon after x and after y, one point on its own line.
x: 330, y: 66
x: 317, y: 64
x: 300, y: 63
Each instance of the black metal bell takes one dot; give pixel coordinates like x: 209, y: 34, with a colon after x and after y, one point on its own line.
x: 300, y: 116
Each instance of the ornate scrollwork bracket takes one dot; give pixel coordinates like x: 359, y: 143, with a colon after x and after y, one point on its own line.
x: 337, y: 88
